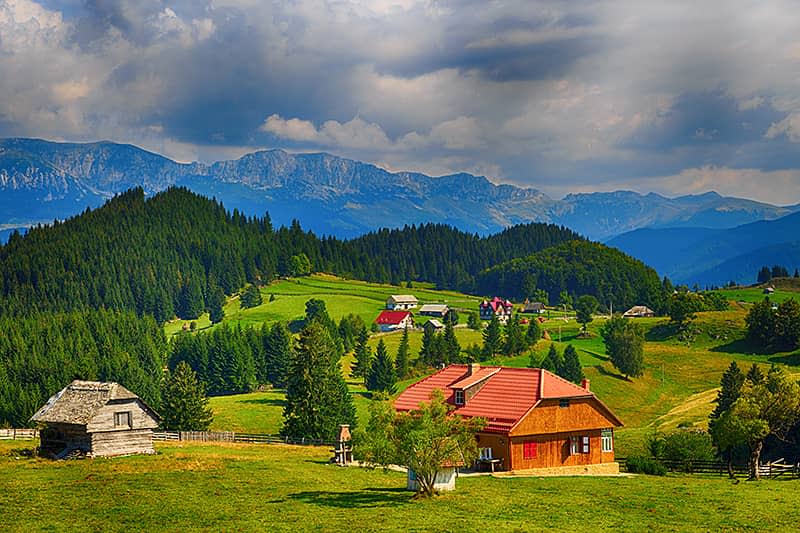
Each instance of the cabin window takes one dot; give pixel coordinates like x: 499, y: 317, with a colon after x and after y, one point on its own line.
x: 578, y: 445
x: 585, y: 447
x: 459, y: 397
x: 485, y: 454
x: 607, y: 440
x: 529, y: 450
x: 563, y: 403
x: 122, y: 419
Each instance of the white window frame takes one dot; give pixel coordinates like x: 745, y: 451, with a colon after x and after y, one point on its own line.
x: 459, y: 398
x: 123, y: 419
x: 485, y: 454
x: 607, y: 440
x: 573, y: 445
x: 585, y: 447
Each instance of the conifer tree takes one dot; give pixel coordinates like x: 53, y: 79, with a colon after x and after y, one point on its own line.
x: 317, y: 399
x: 553, y: 361
x: 277, y: 354
x: 571, y: 367
x: 401, y: 361
x: 190, y: 304
x: 755, y: 376
x: 492, y: 338
x: 382, y: 376
x: 450, y: 347
x: 185, y: 406
x: 362, y: 355
x: 251, y: 297
x: 515, y: 337
x: 428, y: 350
x: 473, y: 321
x: 216, y: 301
x: 534, y: 333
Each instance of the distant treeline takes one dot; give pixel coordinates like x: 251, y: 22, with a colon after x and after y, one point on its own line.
x: 170, y: 254
x: 42, y: 353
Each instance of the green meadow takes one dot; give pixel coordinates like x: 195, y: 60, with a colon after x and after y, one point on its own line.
x: 239, y: 487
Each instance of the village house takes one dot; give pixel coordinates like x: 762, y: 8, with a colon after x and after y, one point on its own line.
x: 96, y: 419
x: 533, y: 307
x: 496, y: 307
x: 433, y: 324
x: 394, y: 320
x: 437, y: 310
x: 401, y: 302
x: 535, y: 419
x: 638, y: 311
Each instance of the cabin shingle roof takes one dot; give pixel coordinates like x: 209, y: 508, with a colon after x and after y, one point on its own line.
x: 79, y: 402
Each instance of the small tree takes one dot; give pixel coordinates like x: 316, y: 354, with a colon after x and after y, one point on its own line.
x: 401, y: 361
x: 552, y: 360
x: 382, y: 376
x: 473, y: 321
x: 585, y: 307
x: 278, y: 354
x: 515, y: 337
x: 185, y: 406
x: 492, y: 338
x: 624, y: 342
x: 571, y: 368
x: 362, y: 356
x: 251, y: 297
x: 682, y: 307
x: 426, y: 440
x: 730, y: 390
x: 534, y: 333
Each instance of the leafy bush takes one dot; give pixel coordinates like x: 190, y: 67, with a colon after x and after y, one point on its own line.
x: 684, y: 446
x: 640, y: 464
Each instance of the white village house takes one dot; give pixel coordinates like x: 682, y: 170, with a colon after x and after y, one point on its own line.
x: 394, y: 320
x: 401, y: 302
x: 96, y: 419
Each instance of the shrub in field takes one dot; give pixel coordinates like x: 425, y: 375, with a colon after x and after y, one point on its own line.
x: 640, y: 464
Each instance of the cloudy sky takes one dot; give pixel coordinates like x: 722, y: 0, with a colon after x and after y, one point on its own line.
x: 673, y: 97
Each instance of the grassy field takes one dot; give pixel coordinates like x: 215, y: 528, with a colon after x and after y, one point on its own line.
x: 237, y: 487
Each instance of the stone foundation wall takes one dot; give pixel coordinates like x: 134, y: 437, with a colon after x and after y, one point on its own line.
x: 602, y: 469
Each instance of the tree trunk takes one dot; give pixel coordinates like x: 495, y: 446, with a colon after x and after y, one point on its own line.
x: 755, y: 457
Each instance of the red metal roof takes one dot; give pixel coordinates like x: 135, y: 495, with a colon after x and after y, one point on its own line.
x: 391, y: 317
x: 496, y: 303
x: 505, y: 398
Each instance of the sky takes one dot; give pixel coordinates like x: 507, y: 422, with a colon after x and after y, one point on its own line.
x: 669, y: 97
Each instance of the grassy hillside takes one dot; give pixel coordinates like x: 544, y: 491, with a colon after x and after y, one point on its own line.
x: 235, y: 487
x: 341, y: 297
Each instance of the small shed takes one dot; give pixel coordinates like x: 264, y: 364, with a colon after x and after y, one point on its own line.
x: 437, y: 310
x: 769, y: 290
x: 433, y: 323
x: 445, y: 480
x: 96, y: 419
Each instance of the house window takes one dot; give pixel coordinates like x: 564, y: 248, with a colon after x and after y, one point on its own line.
x: 578, y: 445
x: 585, y: 447
x: 459, y: 397
x: 563, y: 403
x: 529, y: 450
x: 485, y: 454
x: 122, y: 419
x: 573, y: 445
x: 607, y: 440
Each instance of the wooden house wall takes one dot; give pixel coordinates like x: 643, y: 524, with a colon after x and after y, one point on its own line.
x: 107, y: 443
x: 499, y: 446
x: 548, y: 417
x: 104, y: 419
x: 554, y: 450
x: 56, y: 437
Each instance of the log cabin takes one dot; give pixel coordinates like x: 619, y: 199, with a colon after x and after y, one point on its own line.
x: 95, y: 419
x: 534, y: 418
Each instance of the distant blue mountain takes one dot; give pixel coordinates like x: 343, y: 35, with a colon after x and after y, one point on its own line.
x: 716, y: 256
x: 41, y: 181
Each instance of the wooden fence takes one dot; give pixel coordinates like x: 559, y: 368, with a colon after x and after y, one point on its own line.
x: 19, y: 434
x: 774, y: 469
x: 230, y: 436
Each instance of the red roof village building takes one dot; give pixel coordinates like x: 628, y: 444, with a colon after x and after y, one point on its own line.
x: 496, y: 306
x: 394, y: 320
x: 534, y: 419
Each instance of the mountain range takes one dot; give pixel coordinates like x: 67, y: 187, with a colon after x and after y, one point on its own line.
x: 691, y: 239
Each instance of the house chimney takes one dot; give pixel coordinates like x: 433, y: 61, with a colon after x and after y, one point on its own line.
x: 473, y: 368
x: 585, y: 384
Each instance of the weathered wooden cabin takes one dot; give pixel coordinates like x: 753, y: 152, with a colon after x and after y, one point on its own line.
x: 96, y: 419
x: 534, y: 419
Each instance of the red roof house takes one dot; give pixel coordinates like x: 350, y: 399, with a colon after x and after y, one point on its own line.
x: 496, y: 306
x: 534, y: 419
x: 393, y: 320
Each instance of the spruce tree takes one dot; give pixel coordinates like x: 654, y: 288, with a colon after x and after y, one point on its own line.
x: 755, y: 376
x: 553, y: 360
x: 401, y: 362
x: 492, y: 338
x: 730, y: 389
x: 534, y: 333
x: 571, y: 369
x: 515, y: 337
x: 216, y: 301
x: 185, y: 406
x: 362, y: 355
x: 451, y: 349
x: 277, y: 354
x: 382, y: 376
x: 428, y: 350
x: 190, y: 303
x: 317, y: 399
x: 251, y: 297
x: 473, y: 321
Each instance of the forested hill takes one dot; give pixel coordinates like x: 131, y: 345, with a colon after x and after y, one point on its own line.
x: 578, y: 267
x: 167, y: 254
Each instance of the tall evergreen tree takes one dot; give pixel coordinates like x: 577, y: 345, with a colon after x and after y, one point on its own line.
x: 185, y: 404
x: 451, y: 349
x: 216, y: 301
x: 571, y: 369
x: 730, y: 390
x: 278, y: 354
x: 363, y: 356
x: 317, y: 399
x: 533, y: 333
x: 755, y: 376
x: 492, y: 338
x: 428, y: 352
x: 190, y: 304
x: 515, y: 337
x: 382, y: 376
x: 401, y: 361
x: 553, y: 361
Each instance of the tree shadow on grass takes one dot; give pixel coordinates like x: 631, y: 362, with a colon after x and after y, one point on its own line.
x: 266, y: 401
x: 791, y: 359
x: 740, y: 346
x: 602, y: 370
x: 371, y: 497
x: 596, y: 355
x: 661, y: 332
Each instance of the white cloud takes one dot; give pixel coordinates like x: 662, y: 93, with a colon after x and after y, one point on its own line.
x: 790, y: 127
